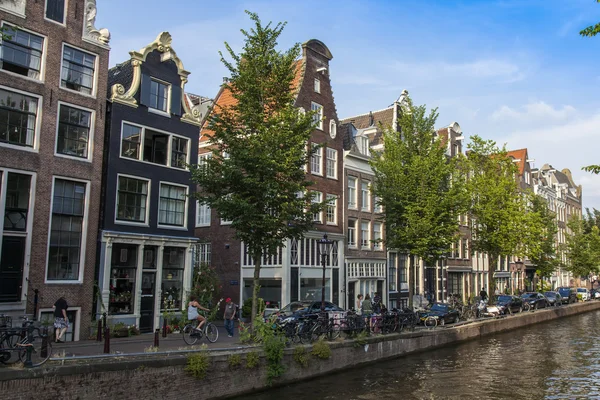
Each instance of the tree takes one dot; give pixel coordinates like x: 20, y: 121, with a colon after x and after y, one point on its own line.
x: 583, y: 248
x: 592, y: 30
x: 255, y: 174
x: 420, y: 188
x: 497, y: 207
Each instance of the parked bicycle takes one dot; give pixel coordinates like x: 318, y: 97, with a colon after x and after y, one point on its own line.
x: 191, y: 334
x: 24, y: 344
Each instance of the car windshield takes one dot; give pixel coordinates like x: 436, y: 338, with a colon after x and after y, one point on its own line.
x: 564, y: 291
x: 581, y: 290
x: 439, y: 307
x: 529, y: 295
x: 550, y: 294
x: 504, y: 299
x: 293, y: 307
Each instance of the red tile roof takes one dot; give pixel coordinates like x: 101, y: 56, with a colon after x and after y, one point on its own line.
x: 520, y: 155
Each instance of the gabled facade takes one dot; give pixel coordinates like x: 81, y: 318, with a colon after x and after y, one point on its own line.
x: 296, y: 272
x: 147, y: 242
x: 53, y: 64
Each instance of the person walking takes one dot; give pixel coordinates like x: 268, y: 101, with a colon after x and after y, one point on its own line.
x: 229, y: 316
x: 367, y: 309
x: 483, y: 294
x: 61, y: 321
x: 359, y: 302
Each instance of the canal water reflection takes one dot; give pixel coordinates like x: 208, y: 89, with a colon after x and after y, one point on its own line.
x: 555, y: 360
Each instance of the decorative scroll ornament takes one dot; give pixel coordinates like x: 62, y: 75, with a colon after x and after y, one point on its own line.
x: 99, y: 36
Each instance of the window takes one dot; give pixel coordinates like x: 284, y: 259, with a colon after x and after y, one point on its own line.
x: 332, y: 209
x: 66, y: 230
x: 365, y: 196
x: 351, y: 233
x: 22, y: 52
x: 159, y: 95
x: 377, y: 205
x: 332, y: 129
x: 364, y: 234
x: 73, y: 131
x: 55, y: 10
x: 16, y: 208
x: 377, y: 245
x: 316, y: 160
x: 18, y: 117
x: 317, y: 217
x: 77, y: 70
x: 465, y: 248
x: 171, y: 210
x: 363, y: 145
x: 331, y: 169
x: 132, y: 199
x: 122, y: 283
x: 155, y: 147
x: 204, y: 251
x: 172, y: 278
x: 402, y: 270
x: 202, y: 215
x: 351, y: 192
x: 317, y: 86
x: 456, y: 248
x: 318, y: 116
x: 392, y: 282
x: 130, y: 141
x: 179, y: 152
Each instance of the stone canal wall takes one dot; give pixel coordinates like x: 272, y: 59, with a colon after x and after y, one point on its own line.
x: 164, y: 377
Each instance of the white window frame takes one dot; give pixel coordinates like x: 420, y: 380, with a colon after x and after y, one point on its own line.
x: 352, y: 228
x: 363, y: 145
x: 377, y: 234
x: 185, y: 207
x: 332, y: 129
x: 332, y: 200
x: 206, y: 213
x: 64, y: 23
x: 333, y: 160
x: 84, y: 231
x: 169, y: 148
x: 147, y: 217
x: 96, y: 66
x: 319, y: 115
x: 317, y: 86
x: 366, y: 240
x: 377, y: 207
x: 316, y: 160
x: 36, y: 133
x: 89, y: 157
x: 42, y: 60
x: 318, y: 198
x: 365, y: 196
x: 352, y: 192
x: 167, y: 112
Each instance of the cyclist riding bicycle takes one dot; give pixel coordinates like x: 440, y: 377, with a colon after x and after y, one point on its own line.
x: 193, y: 314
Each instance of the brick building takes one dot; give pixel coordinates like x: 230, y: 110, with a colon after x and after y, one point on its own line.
x: 53, y: 69
x: 295, y: 273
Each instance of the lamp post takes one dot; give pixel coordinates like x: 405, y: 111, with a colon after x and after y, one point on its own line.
x: 324, y: 249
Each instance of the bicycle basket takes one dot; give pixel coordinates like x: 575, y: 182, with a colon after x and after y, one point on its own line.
x: 5, y: 321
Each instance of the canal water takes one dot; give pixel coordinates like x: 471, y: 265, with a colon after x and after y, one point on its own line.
x: 554, y: 360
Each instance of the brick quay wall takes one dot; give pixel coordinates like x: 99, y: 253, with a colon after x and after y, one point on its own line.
x: 156, y: 376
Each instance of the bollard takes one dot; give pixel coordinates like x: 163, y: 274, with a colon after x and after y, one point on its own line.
x: 35, y: 303
x: 106, y: 340
x: 28, y: 363
x: 164, y: 334
x: 44, y: 351
x: 104, y: 321
x: 156, y: 337
x: 99, y: 333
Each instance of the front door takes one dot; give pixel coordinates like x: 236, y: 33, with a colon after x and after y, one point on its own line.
x: 147, y: 303
x: 351, y: 297
x: 11, y: 268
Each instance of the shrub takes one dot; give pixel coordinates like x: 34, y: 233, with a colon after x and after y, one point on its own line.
x: 234, y: 360
x: 300, y: 356
x: 252, y: 360
x: 197, y: 365
x: 360, y: 339
x: 247, y: 307
x: 321, y: 349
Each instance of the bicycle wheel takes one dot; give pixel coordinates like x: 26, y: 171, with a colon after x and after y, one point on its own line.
x: 431, y: 322
x: 8, y: 354
x: 40, y: 351
x: 212, y: 333
x: 334, y: 331
x: 526, y: 307
x: 188, y: 334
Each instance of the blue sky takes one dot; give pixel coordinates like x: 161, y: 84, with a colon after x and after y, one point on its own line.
x: 515, y: 71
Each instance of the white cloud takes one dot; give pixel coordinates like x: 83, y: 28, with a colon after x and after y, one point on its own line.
x: 538, y: 112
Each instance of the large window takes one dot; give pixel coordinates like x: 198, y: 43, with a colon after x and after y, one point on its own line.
x: 16, y: 208
x: 159, y: 95
x: 21, y: 52
x: 331, y: 163
x: 18, y: 117
x: 317, y: 217
x: 316, y: 160
x: 331, y: 209
x: 132, y: 199
x: 364, y: 235
x: 78, y: 70
x: 172, y: 278
x: 158, y: 147
x: 122, y: 281
x: 171, y: 208
x: 402, y: 270
x: 318, y: 115
x: 202, y: 215
x: 365, y: 196
x: 352, y: 192
x: 393, y: 269
x: 351, y: 233
x: 55, y: 10
x: 377, y: 245
x: 66, y: 230
x: 73, y: 131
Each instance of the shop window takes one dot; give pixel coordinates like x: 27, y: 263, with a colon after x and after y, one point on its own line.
x: 122, y: 282
x: 172, y: 278
x: 270, y: 291
x: 311, y: 289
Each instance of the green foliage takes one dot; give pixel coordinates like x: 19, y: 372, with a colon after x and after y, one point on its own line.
x: 592, y: 30
x: 421, y: 189
x: 583, y: 246
x: 321, y: 349
x: 540, y: 236
x: 207, y: 288
x: 301, y: 356
x: 252, y: 360
x: 247, y: 307
x: 234, y: 360
x: 259, y: 149
x: 274, y: 346
x: 360, y: 339
x: 245, y: 333
x: 197, y: 365
x: 594, y: 169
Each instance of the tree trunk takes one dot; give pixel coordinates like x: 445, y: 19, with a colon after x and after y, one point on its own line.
x: 255, y: 287
x: 491, y: 281
x: 411, y: 281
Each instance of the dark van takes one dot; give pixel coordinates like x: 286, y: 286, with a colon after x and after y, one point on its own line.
x: 569, y: 295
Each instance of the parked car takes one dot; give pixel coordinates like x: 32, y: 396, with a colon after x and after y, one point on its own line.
x: 535, y: 300
x: 298, y: 308
x: 583, y: 293
x: 568, y: 295
x: 509, y: 304
x: 595, y: 294
x: 442, y: 312
x: 554, y: 298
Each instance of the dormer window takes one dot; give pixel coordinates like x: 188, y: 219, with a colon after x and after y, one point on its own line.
x: 159, y: 95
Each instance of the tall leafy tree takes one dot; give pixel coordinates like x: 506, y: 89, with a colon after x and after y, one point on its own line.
x: 583, y: 247
x: 259, y: 148
x: 497, y: 205
x: 420, y: 187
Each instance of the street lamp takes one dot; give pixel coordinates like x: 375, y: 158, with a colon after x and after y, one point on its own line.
x: 324, y: 249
